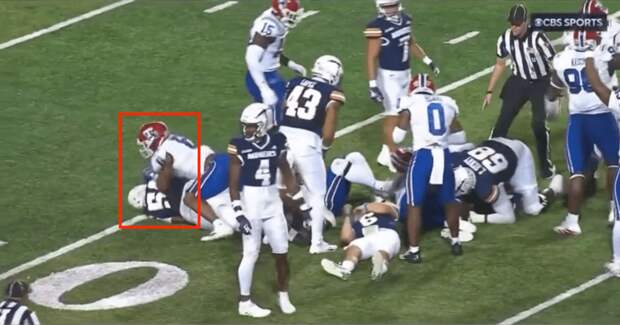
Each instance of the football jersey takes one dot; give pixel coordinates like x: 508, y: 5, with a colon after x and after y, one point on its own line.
x: 159, y: 205
x: 371, y: 223
x: 184, y: 154
x: 259, y: 160
x: 306, y: 103
x: 492, y: 162
x: 395, y: 40
x: 430, y: 118
x: 268, y: 25
x: 570, y: 68
x: 614, y: 101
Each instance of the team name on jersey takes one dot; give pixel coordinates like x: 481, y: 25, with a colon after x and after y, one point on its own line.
x: 262, y: 154
x: 578, y: 61
x: 308, y: 83
x: 474, y: 165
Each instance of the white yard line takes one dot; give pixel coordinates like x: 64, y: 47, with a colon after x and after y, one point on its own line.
x: 557, y: 299
x: 308, y: 14
x: 2, y: 243
x: 462, y: 38
x: 71, y: 247
x: 221, y: 6
x: 64, y: 24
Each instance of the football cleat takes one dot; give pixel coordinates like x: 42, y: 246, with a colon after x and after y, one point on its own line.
x: 379, y: 266
x: 249, y: 308
x: 568, y: 229
x: 286, y: 306
x: 456, y: 249
x: 322, y: 247
x: 613, y: 267
x: 335, y: 269
x: 220, y: 230
x: 384, y: 159
x: 415, y: 258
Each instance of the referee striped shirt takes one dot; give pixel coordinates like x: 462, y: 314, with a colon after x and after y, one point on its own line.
x: 531, y: 55
x: 12, y: 312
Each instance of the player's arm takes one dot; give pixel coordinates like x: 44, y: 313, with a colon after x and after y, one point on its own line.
x: 457, y: 133
x: 253, y: 54
x: 373, y: 48
x: 400, y: 131
x: 418, y: 52
x: 347, y: 234
x: 164, y: 177
x: 191, y: 201
x: 331, y: 119
x: 502, y: 204
x: 597, y: 85
x: 234, y: 174
x: 287, y: 62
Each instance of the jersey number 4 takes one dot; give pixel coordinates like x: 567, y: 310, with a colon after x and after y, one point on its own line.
x: 262, y: 173
x: 306, y: 110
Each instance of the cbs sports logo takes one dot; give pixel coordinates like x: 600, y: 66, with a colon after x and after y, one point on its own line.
x: 568, y: 21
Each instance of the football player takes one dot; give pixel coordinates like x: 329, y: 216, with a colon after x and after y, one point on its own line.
x: 264, y: 56
x: 391, y: 43
x: 170, y: 155
x: 482, y: 172
x: 309, y: 124
x: 612, y: 100
x: 255, y: 158
x: 429, y: 117
x: 590, y: 122
x: 368, y: 232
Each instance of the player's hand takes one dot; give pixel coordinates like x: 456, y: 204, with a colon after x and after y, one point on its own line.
x: 298, y: 68
x: 244, y: 225
x: 487, y: 100
x: 375, y: 93
x: 434, y: 68
x: 269, y: 96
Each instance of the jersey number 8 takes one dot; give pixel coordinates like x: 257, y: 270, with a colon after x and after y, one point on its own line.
x: 493, y: 161
x: 307, y: 110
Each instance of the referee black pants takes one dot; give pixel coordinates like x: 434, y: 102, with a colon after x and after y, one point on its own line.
x: 515, y: 93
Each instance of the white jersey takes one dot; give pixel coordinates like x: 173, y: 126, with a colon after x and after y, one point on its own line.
x: 268, y: 25
x: 430, y: 118
x: 570, y: 68
x: 614, y: 101
x: 184, y: 154
x: 611, y: 38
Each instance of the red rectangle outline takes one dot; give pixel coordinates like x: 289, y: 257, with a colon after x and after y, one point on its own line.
x: 198, y: 117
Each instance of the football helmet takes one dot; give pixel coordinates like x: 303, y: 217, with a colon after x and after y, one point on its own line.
x: 593, y: 7
x: 288, y: 11
x: 150, y: 136
x: 136, y: 196
x: 254, y: 115
x: 328, y: 68
x: 586, y: 40
x: 464, y: 180
x: 421, y: 84
x: 381, y: 4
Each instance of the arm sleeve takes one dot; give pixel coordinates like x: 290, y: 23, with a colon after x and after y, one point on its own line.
x: 232, y: 149
x: 253, y: 56
x: 544, y: 46
x: 373, y: 30
x: 501, y: 51
x: 338, y: 96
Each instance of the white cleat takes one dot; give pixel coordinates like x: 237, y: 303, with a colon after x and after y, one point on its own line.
x: 568, y: 229
x: 614, y: 268
x: 465, y: 226
x: 322, y: 247
x: 463, y: 235
x: 220, y: 230
x: 384, y: 159
x: 379, y: 266
x: 249, y: 308
x: 286, y: 306
x: 557, y: 184
x: 335, y: 269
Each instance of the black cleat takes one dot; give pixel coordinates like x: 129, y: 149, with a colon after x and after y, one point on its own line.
x: 415, y: 258
x: 457, y: 249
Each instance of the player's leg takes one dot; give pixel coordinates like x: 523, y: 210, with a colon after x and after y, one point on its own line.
x: 277, y: 231
x: 541, y: 131
x: 278, y: 85
x: 226, y: 224
x: 387, y: 243
x: 188, y: 214
x: 251, y: 249
x: 393, y: 85
x: 353, y: 253
x: 513, y: 99
x: 614, y: 265
x: 604, y: 131
x: 361, y: 173
x: 452, y: 207
x: 524, y: 179
x: 421, y: 167
x: 578, y: 149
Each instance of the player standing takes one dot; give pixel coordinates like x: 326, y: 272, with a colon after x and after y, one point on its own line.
x: 390, y: 42
x: 264, y: 56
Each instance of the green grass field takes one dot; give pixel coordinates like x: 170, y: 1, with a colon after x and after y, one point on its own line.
x: 59, y: 98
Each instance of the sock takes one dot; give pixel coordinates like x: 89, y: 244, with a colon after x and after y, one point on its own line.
x: 454, y: 240
x: 615, y: 238
x: 283, y: 295
x: 572, y: 218
x: 316, y: 225
x: 246, y: 268
x: 612, y: 205
x: 348, y: 265
x: 414, y: 249
x: 497, y: 218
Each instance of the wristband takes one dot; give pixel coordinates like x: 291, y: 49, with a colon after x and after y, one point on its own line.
x: 237, y: 207
x: 325, y: 148
x: 489, y: 91
x: 427, y: 60
x: 372, y: 83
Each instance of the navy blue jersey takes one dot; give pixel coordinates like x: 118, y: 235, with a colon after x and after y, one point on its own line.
x: 395, y: 41
x: 259, y: 159
x: 371, y: 222
x: 492, y: 161
x: 338, y: 189
x: 215, y: 178
x: 306, y: 103
x: 159, y: 205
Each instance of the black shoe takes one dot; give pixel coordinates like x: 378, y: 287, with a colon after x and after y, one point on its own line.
x: 457, y: 249
x: 415, y: 258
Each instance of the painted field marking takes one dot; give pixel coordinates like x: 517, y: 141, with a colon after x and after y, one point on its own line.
x: 221, y: 6
x: 64, y: 24
x: 462, y: 38
x: 307, y: 14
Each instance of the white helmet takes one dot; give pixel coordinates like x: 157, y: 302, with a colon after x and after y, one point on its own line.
x: 255, y: 113
x: 386, y: 3
x: 328, y: 68
x: 464, y: 180
x: 136, y: 196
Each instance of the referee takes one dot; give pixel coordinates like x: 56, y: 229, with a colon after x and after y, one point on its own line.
x: 531, y: 54
x: 12, y: 311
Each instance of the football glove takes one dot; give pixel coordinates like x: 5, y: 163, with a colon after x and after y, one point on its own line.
x: 375, y: 92
x: 298, y: 68
x: 431, y: 65
x: 268, y: 95
x: 244, y: 225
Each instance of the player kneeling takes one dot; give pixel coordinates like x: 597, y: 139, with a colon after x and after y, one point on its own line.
x: 369, y: 232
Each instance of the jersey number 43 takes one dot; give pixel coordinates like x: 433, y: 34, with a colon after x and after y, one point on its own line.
x: 303, y: 109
